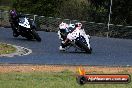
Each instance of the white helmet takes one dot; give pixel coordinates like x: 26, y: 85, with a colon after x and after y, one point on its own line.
x: 63, y: 25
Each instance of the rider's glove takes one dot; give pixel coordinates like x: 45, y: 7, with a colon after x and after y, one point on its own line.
x: 89, y: 36
x: 62, y: 42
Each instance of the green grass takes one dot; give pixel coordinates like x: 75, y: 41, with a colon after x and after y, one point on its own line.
x: 6, y: 49
x: 63, y: 79
x: 5, y: 8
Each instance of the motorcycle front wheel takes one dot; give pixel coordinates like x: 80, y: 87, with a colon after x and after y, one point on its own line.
x: 36, y: 36
x: 83, y: 46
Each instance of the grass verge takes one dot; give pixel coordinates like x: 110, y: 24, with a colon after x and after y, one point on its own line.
x: 63, y: 79
x: 6, y: 49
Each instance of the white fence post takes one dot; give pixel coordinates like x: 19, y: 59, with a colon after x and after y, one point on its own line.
x: 109, y: 18
x: 34, y: 17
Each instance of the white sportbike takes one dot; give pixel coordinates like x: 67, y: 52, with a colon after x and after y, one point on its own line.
x: 79, y: 40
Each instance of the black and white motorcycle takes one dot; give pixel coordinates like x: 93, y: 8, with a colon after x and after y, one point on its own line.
x: 78, y: 38
x: 26, y: 28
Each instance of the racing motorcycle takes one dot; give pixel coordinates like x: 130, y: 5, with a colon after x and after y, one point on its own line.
x: 78, y: 39
x: 27, y: 28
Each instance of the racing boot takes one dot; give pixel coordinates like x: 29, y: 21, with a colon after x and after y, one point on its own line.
x: 14, y: 29
x: 62, y: 47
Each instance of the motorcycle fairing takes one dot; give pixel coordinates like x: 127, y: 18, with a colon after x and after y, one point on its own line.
x: 24, y: 22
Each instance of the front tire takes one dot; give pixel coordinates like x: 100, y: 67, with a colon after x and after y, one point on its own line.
x: 82, y: 44
x: 86, y: 49
x: 15, y: 34
x: 36, y: 36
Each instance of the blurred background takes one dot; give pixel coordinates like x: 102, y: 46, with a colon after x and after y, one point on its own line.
x: 94, y: 14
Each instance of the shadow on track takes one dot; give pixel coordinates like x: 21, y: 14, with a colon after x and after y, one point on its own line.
x: 72, y: 52
x: 23, y: 39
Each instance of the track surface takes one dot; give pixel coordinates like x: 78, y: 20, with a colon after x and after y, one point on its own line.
x: 106, y: 51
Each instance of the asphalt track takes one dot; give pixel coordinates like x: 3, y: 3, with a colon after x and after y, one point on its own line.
x: 106, y: 51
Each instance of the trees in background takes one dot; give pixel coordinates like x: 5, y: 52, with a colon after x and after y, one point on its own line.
x: 5, y: 2
x: 74, y: 9
x: 39, y: 7
x: 122, y: 12
x: 90, y: 10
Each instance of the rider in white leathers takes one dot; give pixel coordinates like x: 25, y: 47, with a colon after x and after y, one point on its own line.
x: 69, y: 34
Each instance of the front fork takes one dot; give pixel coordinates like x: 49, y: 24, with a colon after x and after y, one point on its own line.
x: 87, y: 40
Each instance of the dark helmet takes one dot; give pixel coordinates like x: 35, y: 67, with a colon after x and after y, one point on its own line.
x: 78, y: 24
x: 13, y: 13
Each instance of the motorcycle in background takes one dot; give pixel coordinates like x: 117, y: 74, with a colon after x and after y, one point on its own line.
x: 26, y: 28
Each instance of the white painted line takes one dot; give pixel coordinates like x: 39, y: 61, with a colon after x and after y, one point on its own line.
x: 21, y: 51
x: 92, y: 22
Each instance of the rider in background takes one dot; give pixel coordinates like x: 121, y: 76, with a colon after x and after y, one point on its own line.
x: 13, y: 19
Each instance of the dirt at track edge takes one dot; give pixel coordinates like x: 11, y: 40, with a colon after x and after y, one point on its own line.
x: 5, y: 68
